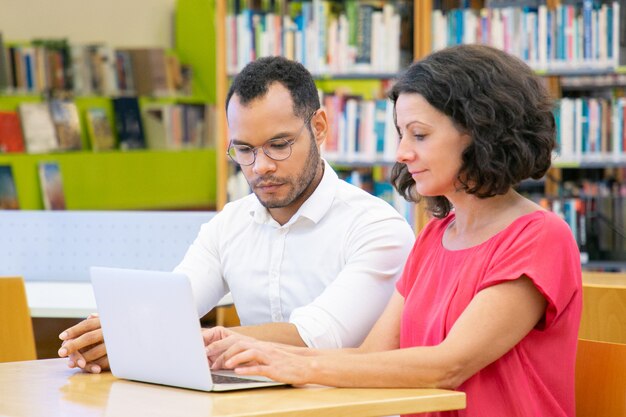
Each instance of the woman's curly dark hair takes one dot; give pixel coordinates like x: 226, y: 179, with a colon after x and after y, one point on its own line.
x: 499, y: 102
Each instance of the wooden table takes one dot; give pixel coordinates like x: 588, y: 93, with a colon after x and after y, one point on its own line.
x: 48, y: 388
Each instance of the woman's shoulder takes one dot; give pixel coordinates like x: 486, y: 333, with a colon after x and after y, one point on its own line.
x: 540, y: 220
x: 540, y: 229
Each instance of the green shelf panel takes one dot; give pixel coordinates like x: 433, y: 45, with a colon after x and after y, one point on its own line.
x: 11, y: 102
x: 368, y: 89
x: 132, y: 180
x: 566, y: 164
x: 196, y: 44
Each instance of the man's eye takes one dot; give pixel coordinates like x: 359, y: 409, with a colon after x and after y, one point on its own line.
x: 243, y: 149
x: 279, y: 145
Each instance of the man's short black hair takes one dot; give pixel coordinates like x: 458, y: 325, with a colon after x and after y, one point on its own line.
x: 499, y: 102
x: 255, y: 79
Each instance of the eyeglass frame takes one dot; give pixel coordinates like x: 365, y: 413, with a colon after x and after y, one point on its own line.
x: 255, y: 149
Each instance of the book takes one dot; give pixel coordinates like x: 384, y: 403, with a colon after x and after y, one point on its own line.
x: 38, y: 128
x: 99, y: 129
x: 11, y: 139
x: 158, y: 126
x: 4, y: 67
x: 194, y: 125
x: 51, y: 185
x: 128, y: 124
x: 124, y: 68
x: 149, y: 71
x: 8, y: 192
x: 66, y: 123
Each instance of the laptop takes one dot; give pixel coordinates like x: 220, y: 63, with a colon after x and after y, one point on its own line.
x: 152, y: 332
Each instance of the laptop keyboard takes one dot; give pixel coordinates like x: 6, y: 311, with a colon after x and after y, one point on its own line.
x: 223, y: 379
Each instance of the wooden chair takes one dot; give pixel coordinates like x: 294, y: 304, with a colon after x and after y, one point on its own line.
x: 604, y: 307
x: 600, y: 379
x: 226, y: 316
x: 17, y: 342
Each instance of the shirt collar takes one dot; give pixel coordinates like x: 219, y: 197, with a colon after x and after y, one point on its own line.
x: 314, y: 208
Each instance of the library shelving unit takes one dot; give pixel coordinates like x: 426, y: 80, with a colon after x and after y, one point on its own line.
x: 145, y: 179
x: 575, y: 45
x: 205, y: 36
x: 141, y: 179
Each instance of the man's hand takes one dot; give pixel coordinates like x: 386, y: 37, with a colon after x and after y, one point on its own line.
x: 83, y: 345
x: 217, y: 340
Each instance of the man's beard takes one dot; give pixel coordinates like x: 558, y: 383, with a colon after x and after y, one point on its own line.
x: 298, y: 185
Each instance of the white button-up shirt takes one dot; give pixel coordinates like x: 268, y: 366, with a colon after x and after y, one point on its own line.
x: 330, y: 270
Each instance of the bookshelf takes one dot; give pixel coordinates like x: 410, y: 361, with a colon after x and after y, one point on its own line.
x: 119, y: 180
x: 172, y: 179
x: 210, y: 16
x: 581, y: 57
x: 116, y: 180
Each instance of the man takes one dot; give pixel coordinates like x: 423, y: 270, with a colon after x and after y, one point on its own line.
x: 309, y: 259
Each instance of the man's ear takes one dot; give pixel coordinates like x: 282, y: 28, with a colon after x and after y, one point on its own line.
x: 319, y: 124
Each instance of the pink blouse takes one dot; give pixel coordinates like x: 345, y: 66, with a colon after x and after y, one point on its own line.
x: 536, y: 377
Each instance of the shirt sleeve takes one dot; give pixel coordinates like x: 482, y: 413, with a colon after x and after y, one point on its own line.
x: 202, y: 265
x: 545, y: 251
x: 344, y: 313
x: 424, y: 239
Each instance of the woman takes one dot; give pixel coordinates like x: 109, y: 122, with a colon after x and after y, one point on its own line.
x: 490, y: 299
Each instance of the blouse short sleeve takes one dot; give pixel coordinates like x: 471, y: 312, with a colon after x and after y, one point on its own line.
x: 542, y: 248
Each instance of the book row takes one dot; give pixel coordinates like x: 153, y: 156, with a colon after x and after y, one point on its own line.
x: 327, y: 37
x: 581, y: 36
x: 50, y: 182
x: 43, y: 66
x: 376, y: 182
x: 598, y: 224
x: 56, y: 126
x: 590, y: 82
x: 361, y: 131
x: 591, y: 128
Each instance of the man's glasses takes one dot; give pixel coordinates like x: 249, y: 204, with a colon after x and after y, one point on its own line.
x: 277, y: 149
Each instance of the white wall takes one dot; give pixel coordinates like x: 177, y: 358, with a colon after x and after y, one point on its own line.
x: 119, y: 23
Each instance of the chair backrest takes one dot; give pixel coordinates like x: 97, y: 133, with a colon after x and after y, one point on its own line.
x: 600, y: 379
x: 17, y: 342
x: 604, y: 307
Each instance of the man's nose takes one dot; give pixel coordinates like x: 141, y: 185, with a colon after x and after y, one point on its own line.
x: 263, y: 163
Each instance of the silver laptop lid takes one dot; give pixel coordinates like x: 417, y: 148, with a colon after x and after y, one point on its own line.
x: 151, y: 327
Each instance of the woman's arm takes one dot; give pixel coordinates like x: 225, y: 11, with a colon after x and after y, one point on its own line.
x: 385, y: 335
x: 496, y: 320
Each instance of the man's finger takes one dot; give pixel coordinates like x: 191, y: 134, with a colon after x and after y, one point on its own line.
x: 84, y: 341
x: 95, y: 353
x: 97, y: 366
x: 81, y: 328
